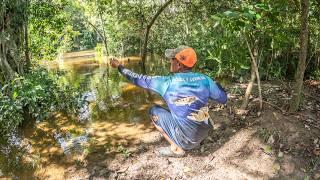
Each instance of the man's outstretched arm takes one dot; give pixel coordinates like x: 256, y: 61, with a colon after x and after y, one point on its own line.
x: 158, y: 84
x: 217, y: 93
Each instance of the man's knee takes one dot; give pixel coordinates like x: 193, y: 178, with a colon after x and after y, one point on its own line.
x: 152, y: 114
x: 152, y: 110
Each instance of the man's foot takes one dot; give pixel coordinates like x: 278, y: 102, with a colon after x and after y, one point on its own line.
x: 167, y: 152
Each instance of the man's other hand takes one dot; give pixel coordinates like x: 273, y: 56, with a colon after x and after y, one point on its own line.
x: 114, y: 62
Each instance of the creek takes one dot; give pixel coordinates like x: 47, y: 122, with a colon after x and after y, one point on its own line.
x: 113, y: 116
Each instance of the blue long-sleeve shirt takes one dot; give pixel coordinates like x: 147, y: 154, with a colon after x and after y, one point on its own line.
x: 187, y: 95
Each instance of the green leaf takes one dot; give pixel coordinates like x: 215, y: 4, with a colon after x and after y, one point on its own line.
x: 252, y: 12
x: 215, y: 17
x: 249, y: 16
x: 15, y: 95
x: 227, y: 13
x: 230, y: 14
x: 268, y: 149
x: 258, y: 16
x: 216, y: 24
x: 244, y: 66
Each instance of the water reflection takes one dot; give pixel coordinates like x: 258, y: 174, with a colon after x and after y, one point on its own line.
x: 71, y: 144
x: 113, y: 114
x: 84, y: 111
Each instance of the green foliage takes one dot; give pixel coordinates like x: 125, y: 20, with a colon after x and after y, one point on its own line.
x: 37, y: 94
x: 276, y: 71
x: 99, y: 50
x: 215, y: 30
x: 10, y: 113
x: 315, y: 75
x: 54, y: 29
x: 124, y: 151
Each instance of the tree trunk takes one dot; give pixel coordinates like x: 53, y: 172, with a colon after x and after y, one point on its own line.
x: 102, y: 35
x: 249, y: 89
x: 105, y: 41
x: 141, y: 34
x: 7, y: 70
x: 254, y: 56
x: 254, y: 75
x: 146, y: 37
x: 26, y: 44
x: 295, y: 101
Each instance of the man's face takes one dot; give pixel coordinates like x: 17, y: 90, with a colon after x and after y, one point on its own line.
x: 175, y: 66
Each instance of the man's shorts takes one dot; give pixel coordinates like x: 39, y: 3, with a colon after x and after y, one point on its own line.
x: 171, y: 127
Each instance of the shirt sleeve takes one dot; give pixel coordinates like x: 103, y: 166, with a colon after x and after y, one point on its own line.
x: 217, y: 93
x: 158, y: 84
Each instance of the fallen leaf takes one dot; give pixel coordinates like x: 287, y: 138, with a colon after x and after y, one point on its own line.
x: 186, y: 169
x: 122, y: 170
x: 271, y: 140
x: 276, y: 166
x: 267, y: 150
x: 317, y: 176
x: 316, y: 151
x: 307, y: 127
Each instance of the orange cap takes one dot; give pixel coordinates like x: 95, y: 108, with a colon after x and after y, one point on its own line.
x: 187, y: 57
x: 184, y: 54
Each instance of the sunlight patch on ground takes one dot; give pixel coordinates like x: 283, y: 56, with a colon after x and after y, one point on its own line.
x: 121, y: 133
x: 242, y: 158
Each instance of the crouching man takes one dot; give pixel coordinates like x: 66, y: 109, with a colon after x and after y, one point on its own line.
x: 186, y: 93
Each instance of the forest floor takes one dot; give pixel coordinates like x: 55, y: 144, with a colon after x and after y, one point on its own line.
x: 274, y: 145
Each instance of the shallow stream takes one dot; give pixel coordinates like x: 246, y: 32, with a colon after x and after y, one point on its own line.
x: 112, y: 118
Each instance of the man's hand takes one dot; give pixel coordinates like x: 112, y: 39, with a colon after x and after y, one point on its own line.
x: 114, y: 62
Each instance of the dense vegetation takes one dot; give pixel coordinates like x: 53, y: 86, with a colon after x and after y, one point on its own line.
x: 269, y: 37
x: 34, y: 95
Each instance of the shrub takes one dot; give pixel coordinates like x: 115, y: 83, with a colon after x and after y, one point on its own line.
x: 37, y: 94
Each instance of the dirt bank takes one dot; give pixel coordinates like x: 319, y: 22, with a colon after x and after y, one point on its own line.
x: 275, y: 145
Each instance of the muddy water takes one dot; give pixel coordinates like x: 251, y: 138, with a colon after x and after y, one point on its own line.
x: 112, y: 118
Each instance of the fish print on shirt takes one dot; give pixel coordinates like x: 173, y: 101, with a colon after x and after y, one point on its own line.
x: 185, y: 101
x: 201, y: 115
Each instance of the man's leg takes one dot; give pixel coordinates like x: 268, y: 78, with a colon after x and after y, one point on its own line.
x: 174, y: 147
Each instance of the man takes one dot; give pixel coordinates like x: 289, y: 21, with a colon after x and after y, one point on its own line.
x: 186, y: 93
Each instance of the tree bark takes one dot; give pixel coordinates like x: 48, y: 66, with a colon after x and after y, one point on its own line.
x: 254, y: 56
x: 146, y: 37
x: 304, y: 31
x: 249, y: 89
x: 8, y: 71
x: 105, y: 41
x: 26, y: 44
x: 142, y: 19
x: 254, y: 75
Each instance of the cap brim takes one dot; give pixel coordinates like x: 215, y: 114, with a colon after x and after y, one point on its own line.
x: 170, y: 53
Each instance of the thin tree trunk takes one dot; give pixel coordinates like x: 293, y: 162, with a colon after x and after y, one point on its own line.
x: 254, y: 56
x: 249, y: 89
x: 304, y: 31
x: 102, y: 36
x: 26, y: 44
x: 141, y: 27
x: 105, y: 41
x: 146, y: 37
x: 186, y: 24
x: 270, y: 63
x: 254, y: 75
